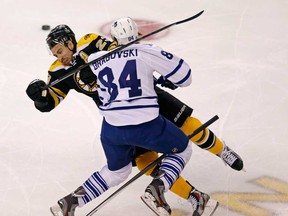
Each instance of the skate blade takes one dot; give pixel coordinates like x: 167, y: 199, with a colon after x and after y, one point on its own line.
x: 56, y: 210
x: 210, y: 208
x: 148, y: 199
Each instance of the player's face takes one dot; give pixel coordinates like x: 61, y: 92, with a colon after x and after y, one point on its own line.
x: 63, y: 53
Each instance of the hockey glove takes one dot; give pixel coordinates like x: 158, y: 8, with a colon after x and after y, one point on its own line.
x: 87, y: 76
x: 166, y: 83
x: 35, y: 90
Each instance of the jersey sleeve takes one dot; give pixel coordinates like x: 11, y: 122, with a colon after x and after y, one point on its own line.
x: 169, y: 65
x: 55, y: 94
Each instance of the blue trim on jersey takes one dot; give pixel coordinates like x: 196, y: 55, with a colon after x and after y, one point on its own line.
x: 129, y: 100
x: 131, y: 107
x: 185, y: 78
x: 139, y: 98
x: 175, y: 70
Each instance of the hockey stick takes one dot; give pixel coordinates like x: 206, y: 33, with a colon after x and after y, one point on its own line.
x: 70, y: 73
x: 142, y: 172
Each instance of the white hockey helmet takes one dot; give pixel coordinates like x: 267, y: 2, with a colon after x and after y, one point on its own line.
x: 124, y: 30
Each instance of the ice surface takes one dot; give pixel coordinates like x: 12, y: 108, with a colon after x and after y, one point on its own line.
x: 238, y: 51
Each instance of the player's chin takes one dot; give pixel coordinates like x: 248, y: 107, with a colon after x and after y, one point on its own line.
x: 66, y: 62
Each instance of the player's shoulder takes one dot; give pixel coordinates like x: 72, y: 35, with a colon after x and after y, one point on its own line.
x: 87, y: 39
x: 97, y: 41
x: 147, y: 48
x: 56, y: 66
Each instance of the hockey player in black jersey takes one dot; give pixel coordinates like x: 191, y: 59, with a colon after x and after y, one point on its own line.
x: 70, y: 54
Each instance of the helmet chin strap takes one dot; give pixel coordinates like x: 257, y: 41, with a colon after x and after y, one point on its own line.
x: 67, y: 44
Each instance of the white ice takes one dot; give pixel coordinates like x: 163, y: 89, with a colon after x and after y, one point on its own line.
x: 238, y: 51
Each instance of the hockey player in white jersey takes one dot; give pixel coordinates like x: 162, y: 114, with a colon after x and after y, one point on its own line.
x: 125, y: 30
x: 131, y: 114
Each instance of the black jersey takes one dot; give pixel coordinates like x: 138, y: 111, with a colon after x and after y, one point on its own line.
x: 88, y: 44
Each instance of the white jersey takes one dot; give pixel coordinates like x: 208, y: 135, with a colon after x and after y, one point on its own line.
x: 125, y: 82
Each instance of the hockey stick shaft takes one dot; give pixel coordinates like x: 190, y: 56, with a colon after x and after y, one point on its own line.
x: 142, y: 172
x: 70, y: 73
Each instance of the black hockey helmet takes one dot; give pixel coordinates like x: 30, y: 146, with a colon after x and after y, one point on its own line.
x: 61, y: 34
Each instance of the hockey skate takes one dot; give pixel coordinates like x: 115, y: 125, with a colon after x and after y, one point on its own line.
x: 202, y: 204
x: 155, y: 200
x: 67, y: 205
x: 231, y: 158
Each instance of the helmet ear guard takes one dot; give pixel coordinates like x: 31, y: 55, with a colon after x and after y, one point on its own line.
x: 61, y: 34
x: 124, y: 30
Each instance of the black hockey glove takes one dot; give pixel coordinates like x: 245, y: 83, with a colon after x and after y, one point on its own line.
x: 35, y: 89
x: 87, y: 76
x: 166, y: 83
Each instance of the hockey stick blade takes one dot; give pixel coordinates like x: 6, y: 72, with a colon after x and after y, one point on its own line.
x: 190, y: 18
x: 165, y: 27
x: 70, y: 73
x: 142, y: 172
